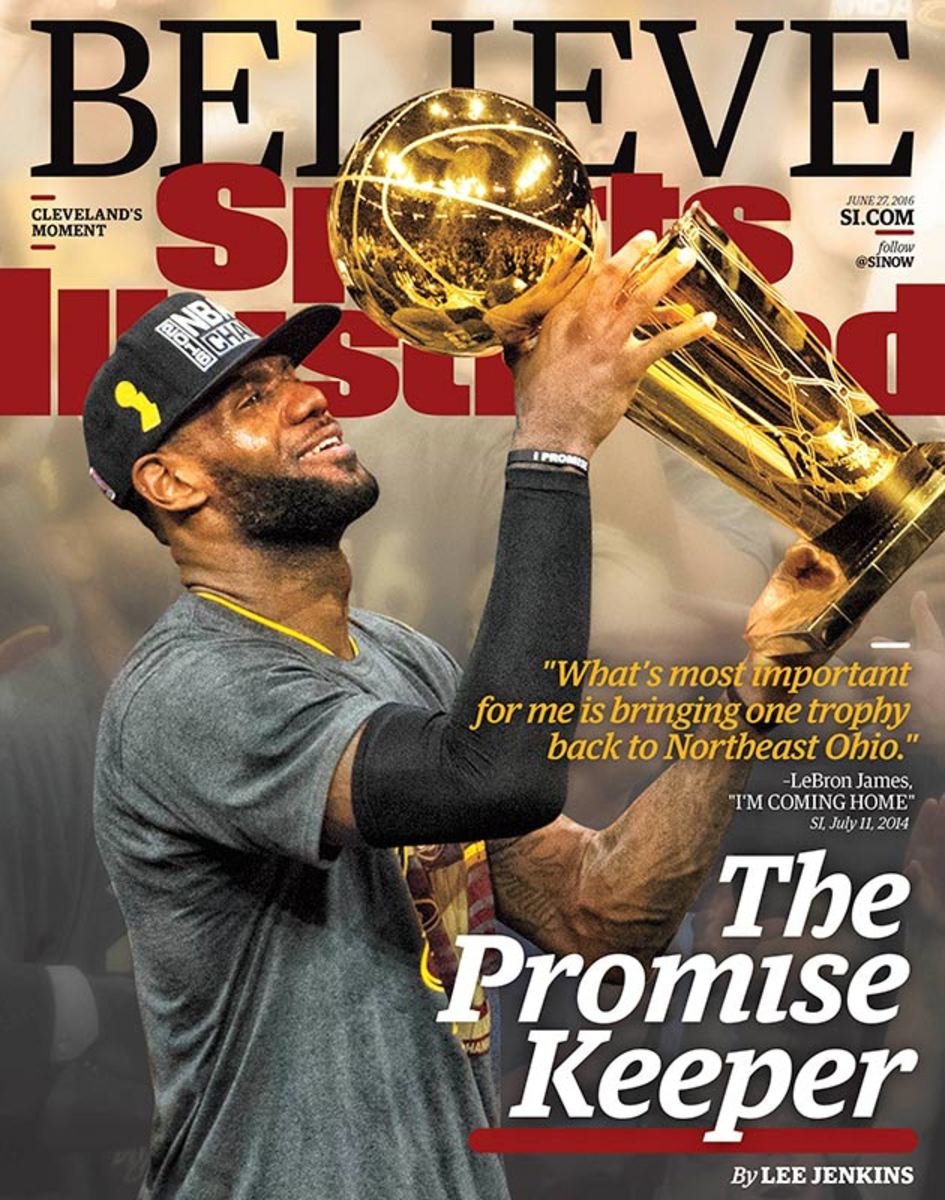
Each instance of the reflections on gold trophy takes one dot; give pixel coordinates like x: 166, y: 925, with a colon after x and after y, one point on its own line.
x: 762, y: 403
x: 462, y: 217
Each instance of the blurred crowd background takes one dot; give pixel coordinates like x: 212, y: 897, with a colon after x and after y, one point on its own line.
x: 678, y: 559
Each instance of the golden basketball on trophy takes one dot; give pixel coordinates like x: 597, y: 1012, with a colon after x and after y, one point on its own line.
x: 459, y: 219
x: 462, y: 217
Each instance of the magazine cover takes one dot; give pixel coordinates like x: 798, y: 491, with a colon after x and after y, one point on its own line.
x: 418, y: 780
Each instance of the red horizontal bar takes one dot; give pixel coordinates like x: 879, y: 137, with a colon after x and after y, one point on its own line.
x: 887, y: 231
x: 44, y: 246
x: 42, y: 197
x: 516, y: 1139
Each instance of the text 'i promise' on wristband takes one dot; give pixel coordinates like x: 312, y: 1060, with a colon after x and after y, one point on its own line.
x: 548, y: 458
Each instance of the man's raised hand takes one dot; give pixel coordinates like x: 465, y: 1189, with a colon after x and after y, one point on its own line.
x: 577, y: 381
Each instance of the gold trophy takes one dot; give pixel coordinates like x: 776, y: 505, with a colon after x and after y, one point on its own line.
x: 462, y: 217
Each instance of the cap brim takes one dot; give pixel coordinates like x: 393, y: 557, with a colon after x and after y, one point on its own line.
x: 299, y: 335
x: 296, y: 338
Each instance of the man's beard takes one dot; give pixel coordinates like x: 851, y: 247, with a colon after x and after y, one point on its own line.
x: 277, y: 511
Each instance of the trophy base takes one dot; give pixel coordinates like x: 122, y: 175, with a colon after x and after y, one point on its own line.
x: 874, y: 543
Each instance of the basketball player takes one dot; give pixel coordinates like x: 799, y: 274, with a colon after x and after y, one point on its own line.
x: 301, y: 806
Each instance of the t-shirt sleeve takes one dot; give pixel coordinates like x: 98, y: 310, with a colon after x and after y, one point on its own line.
x: 238, y: 748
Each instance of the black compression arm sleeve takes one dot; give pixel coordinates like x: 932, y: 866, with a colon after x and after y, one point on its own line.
x: 423, y: 777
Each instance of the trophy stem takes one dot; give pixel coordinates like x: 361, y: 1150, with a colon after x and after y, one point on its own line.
x: 875, y: 543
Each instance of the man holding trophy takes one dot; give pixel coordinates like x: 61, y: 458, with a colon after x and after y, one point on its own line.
x: 300, y: 805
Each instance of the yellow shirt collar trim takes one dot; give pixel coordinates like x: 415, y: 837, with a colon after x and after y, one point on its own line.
x: 292, y: 633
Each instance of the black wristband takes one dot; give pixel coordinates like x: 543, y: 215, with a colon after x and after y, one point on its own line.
x: 759, y: 726
x: 548, y: 458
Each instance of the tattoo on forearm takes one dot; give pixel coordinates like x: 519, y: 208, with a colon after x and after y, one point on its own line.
x: 625, y: 888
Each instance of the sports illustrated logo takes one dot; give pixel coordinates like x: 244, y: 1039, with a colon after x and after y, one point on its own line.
x: 128, y: 396
x: 203, y: 332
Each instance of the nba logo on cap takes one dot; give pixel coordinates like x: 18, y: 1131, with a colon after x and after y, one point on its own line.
x: 204, y: 332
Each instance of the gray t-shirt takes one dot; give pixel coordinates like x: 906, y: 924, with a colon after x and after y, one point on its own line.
x: 294, y: 1046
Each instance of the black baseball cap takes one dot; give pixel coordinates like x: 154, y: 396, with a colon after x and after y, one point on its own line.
x: 165, y: 366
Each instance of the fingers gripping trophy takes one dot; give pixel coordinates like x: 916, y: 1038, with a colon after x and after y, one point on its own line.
x: 460, y: 220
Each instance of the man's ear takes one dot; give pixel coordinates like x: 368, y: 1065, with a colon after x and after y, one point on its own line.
x: 169, y: 482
